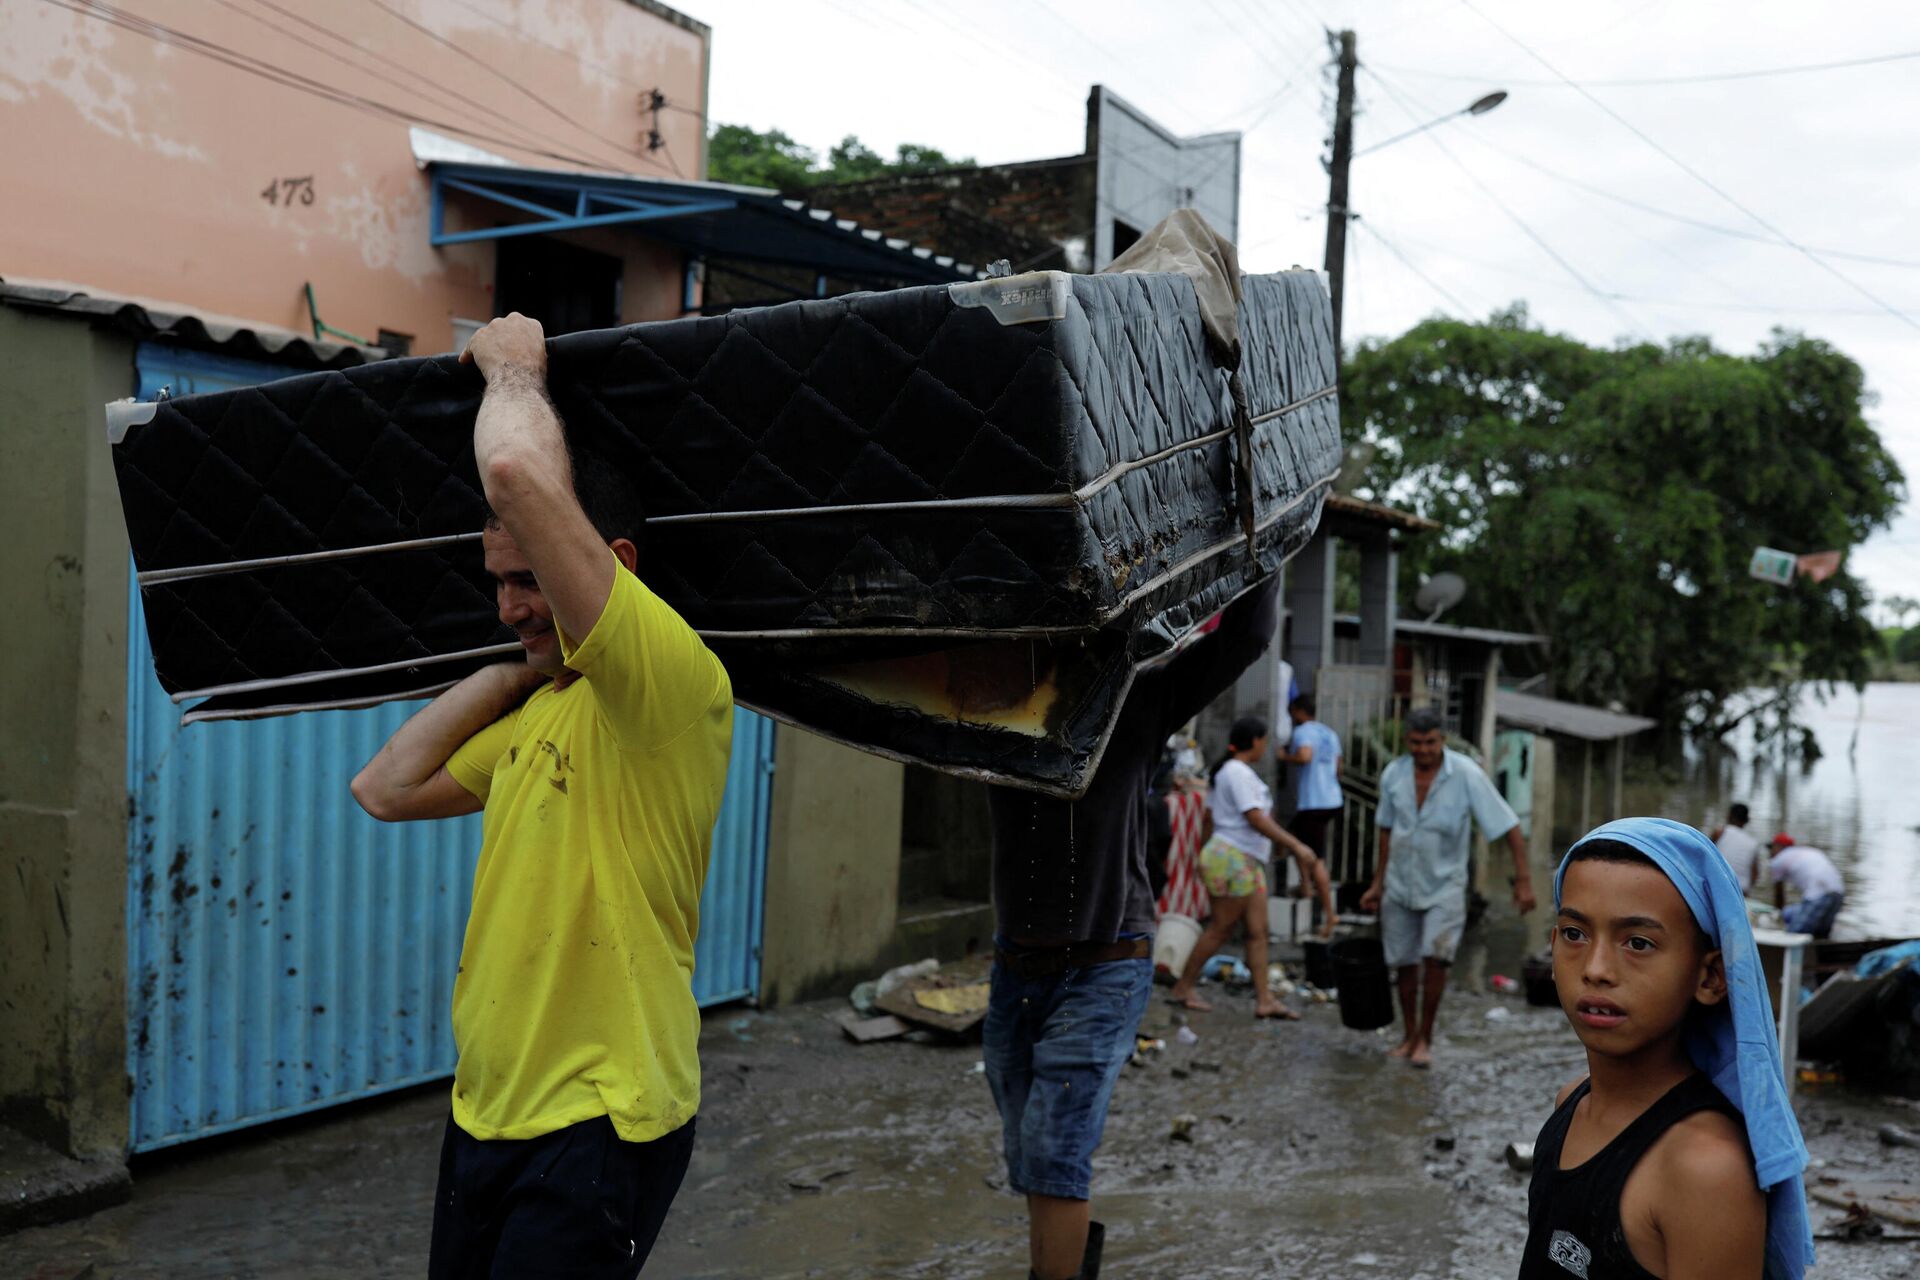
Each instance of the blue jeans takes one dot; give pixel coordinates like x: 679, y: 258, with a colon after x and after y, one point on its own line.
x: 1814, y: 915
x: 1054, y: 1048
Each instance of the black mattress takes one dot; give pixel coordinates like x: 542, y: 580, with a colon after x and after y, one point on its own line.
x: 879, y: 509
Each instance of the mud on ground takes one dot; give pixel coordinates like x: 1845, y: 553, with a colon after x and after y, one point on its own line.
x: 1312, y: 1155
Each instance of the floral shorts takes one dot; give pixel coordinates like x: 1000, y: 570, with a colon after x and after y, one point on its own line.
x: 1229, y: 871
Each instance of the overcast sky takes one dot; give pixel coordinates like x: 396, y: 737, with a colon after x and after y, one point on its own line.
x: 1829, y: 159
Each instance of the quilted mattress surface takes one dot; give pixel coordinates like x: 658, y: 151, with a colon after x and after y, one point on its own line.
x: 854, y: 499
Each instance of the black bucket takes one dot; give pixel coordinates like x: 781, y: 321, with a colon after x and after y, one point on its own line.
x: 1319, y: 956
x: 1366, y: 996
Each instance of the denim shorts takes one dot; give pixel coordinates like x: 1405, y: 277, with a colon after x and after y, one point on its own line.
x: 1054, y: 1048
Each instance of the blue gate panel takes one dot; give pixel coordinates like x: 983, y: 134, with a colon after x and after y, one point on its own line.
x: 285, y: 951
x: 726, y: 956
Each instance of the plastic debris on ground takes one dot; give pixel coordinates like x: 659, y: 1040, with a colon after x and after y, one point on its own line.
x: 895, y: 978
x: 1183, y: 1127
x: 1185, y: 1035
x: 1228, y: 969
x: 1499, y: 1013
x: 1503, y: 984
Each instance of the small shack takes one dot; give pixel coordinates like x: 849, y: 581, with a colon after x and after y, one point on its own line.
x: 1582, y: 724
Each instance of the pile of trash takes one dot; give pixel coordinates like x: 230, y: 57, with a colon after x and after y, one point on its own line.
x: 923, y: 1001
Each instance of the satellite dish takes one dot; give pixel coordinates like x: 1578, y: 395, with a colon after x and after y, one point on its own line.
x: 1439, y: 593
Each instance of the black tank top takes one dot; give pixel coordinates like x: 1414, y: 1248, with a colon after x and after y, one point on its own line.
x: 1573, y: 1215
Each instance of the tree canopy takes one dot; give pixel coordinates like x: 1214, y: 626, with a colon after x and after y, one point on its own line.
x: 1611, y: 499
x: 750, y: 157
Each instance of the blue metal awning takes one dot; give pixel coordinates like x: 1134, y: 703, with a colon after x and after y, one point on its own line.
x: 704, y: 219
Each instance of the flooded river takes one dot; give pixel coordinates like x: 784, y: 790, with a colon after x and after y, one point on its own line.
x: 1860, y: 801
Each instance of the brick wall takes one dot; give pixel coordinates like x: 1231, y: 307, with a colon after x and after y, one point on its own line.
x: 1039, y: 215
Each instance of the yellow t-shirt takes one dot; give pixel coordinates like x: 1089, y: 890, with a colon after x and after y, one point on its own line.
x: 574, y: 997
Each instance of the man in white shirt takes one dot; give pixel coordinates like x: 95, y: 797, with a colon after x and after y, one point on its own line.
x: 1740, y: 847
x: 1822, y: 891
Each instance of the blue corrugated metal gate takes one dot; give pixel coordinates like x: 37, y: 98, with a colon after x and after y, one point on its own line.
x: 285, y: 951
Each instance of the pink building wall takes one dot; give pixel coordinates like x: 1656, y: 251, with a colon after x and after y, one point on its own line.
x: 140, y: 167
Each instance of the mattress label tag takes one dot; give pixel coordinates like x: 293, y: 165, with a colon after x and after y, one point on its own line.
x: 1021, y: 299
x: 122, y: 414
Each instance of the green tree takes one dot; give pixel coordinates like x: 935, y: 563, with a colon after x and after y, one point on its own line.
x: 750, y: 157
x: 1907, y: 647
x: 1610, y: 499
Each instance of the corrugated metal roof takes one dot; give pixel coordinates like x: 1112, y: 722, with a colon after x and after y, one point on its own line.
x: 1378, y: 513
x: 757, y: 224
x: 1481, y: 635
x: 142, y: 319
x: 1549, y: 715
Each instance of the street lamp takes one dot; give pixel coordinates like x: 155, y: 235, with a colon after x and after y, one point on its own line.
x: 1478, y: 107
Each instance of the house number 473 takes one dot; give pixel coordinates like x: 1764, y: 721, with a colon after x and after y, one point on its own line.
x: 289, y: 191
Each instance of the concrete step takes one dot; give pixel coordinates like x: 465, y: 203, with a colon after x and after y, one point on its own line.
x: 947, y: 929
x: 39, y: 1185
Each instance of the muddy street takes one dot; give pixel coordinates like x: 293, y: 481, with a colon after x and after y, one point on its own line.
x: 1311, y: 1155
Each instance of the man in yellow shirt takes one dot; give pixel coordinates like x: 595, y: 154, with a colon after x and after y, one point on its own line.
x: 599, y: 763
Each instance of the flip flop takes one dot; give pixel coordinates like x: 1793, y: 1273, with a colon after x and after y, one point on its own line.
x: 1283, y: 1014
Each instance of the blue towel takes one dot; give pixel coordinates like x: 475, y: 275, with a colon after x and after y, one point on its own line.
x: 1733, y: 1042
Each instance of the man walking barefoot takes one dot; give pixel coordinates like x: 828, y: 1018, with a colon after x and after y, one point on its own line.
x: 1430, y: 800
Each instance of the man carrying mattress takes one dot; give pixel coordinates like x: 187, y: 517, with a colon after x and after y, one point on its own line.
x: 599, y: 763
x: 1074, y: 918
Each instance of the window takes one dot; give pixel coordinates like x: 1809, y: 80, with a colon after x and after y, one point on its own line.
x: 566, y: 288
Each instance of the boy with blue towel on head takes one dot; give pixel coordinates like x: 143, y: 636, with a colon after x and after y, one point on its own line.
x: 1678, y: 1155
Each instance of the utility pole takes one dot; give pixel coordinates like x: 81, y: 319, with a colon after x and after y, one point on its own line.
x: 1337, y: 213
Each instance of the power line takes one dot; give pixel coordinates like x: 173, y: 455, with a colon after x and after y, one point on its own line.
x: 1784, y: 309
x: 163, y: 34
x: 1465, y: 311
x: 1237, y: 26
x: 503, y: 77
x: 1094, y: 43
x: 1631, y: 82
x: 407, y: 86
x: 1704, y: 225
x: 520, y: 34
x: 1513, y: 217
x: 1701, y: 178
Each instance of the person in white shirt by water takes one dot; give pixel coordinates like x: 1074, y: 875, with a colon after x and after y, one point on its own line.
x: 1740, y: 847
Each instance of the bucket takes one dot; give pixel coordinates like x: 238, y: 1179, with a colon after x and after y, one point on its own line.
x: 1319, y: 956
x: 1366, y: 997
x: 1173, y: 943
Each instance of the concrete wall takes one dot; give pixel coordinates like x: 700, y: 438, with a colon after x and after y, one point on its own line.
x: 63, y: 794
x: 833, y: 866
x: 1146, y: 172
x: 142, y: 169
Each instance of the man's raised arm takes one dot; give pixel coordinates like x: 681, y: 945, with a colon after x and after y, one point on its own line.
x: 408, y: 778
x: 521, y: 449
